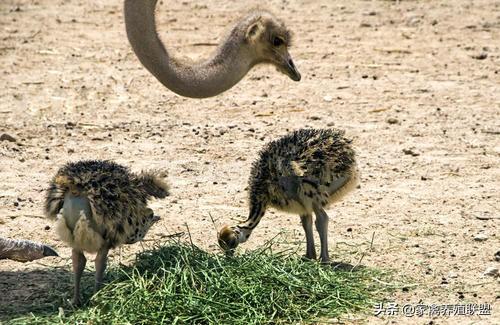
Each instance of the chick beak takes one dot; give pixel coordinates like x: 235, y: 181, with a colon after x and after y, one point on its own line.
x: 49, y: 251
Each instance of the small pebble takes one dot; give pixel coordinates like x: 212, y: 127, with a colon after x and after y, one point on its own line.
x: 491, y: 271
x: 392, y: 120
x: 328, y: 98
x: 497, y: 256
x: 412, y: 21
x: 485, y: 215
x: 481, y: 237
x: 7, y: 137
x: 480, y: 56
x: 47, y: 227
x: 452, y: 275
x: 410, y: 152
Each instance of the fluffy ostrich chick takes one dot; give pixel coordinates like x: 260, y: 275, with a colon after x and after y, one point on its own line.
x: 303, y: 172
x: 104, y: 206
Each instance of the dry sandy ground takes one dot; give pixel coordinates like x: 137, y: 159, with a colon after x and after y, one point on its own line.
x: 415, y: 83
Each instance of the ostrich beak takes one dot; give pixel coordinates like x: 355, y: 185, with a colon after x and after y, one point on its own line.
x: 289, y: 68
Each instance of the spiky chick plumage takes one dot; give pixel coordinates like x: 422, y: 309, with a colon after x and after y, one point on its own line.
x: 104, y: 205
x: 302, y: 172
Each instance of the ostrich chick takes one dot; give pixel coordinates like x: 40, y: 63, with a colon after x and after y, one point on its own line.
x: 302, y: 172
x: 104, y: 206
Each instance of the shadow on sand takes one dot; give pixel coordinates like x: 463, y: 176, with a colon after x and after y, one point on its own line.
x: 38, y: 291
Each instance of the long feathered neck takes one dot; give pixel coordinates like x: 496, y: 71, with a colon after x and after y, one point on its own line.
x: 257, y: 211
x: 226, y: 67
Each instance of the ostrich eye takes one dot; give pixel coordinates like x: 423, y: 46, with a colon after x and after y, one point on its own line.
x: 277, y: 41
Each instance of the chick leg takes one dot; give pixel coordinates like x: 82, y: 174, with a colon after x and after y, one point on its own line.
x: 322, y: 227
x: 308, y: 229
x: 79, y: 261
x: 100, y: 265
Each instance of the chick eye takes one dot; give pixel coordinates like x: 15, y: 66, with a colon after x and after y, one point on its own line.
x: 277, y: 41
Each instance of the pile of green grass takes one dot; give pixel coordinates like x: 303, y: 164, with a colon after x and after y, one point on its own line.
x: 180, y: 283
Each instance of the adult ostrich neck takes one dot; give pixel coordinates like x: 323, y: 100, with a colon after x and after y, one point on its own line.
x: 228, y: 65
